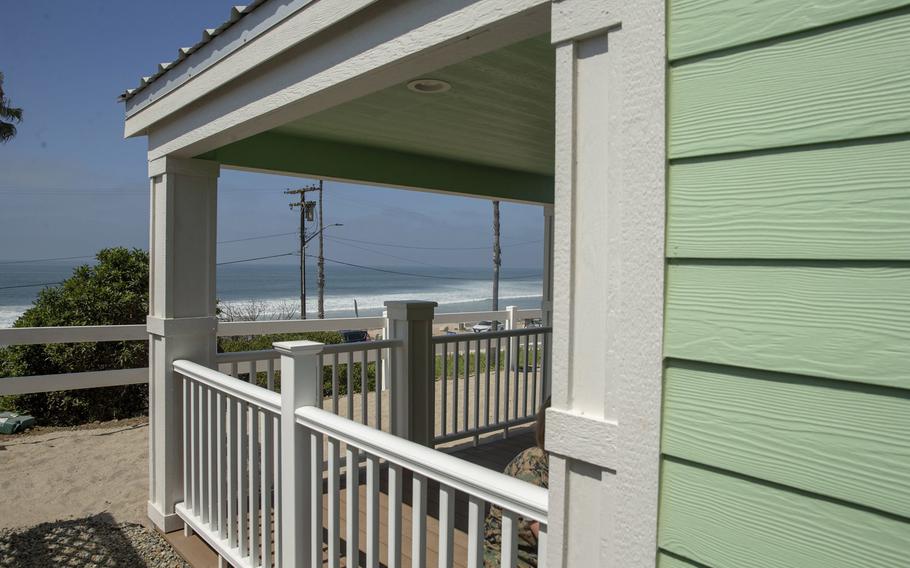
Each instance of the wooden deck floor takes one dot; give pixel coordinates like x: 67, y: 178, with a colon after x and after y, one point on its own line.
x: 493, y: 453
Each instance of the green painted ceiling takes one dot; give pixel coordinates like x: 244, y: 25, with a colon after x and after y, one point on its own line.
x: 498, y: 113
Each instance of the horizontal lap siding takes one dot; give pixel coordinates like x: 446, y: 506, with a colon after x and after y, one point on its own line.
x: 787, y: 391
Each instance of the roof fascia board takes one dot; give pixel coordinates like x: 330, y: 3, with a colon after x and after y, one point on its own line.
x: 245, y: 45
x: 279, y: 153
x: 365, y: 54
x: 254, y: 24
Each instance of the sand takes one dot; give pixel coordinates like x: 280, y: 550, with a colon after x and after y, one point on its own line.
x: 74, y: 474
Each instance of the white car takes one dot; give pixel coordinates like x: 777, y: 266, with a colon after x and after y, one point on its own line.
x: 482, y: 327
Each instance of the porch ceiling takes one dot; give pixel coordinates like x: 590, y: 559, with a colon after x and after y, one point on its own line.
x: 492, y: 134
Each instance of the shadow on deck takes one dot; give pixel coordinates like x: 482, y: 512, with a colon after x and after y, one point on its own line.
x: 493, y: 452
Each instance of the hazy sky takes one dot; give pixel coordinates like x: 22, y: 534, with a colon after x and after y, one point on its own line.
x: 71, y: 184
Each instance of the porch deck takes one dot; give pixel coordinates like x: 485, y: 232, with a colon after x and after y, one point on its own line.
x: 493, y: 452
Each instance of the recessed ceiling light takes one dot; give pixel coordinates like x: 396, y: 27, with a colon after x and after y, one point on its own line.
x: 428, y: 86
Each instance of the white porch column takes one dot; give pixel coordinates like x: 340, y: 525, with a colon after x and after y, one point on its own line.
x: 546, y: 302
x: 181, y: 321
x: 412, y: 408
x: 603, y: 430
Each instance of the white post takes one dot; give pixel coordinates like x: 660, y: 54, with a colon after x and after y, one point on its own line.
x: 512, y: 323
x: 546, y: 302
x: 609, y: 263
x: 301, y: 380
x: 181, y: 321
x: 412, y: 408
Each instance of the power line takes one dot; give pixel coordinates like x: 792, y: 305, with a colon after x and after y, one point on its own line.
x: 257, y: 258
x: 418, y: 275
x: 30, y: 285
x: 46, y: 259
x: 389, y: 255
x: 430, y: 248
x: 259, y: 237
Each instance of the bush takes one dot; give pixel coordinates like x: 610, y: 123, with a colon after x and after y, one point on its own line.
x: 113, y: 292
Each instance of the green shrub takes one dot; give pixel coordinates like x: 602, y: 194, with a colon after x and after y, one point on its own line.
x: 114, y: 291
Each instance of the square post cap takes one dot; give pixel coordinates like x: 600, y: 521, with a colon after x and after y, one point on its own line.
x: 410, y: 309
x: 295, y: 348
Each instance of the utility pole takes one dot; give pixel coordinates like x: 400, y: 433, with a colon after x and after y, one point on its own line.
x: 321, y: 260
x: 497, y: 256
x: 306, y: 214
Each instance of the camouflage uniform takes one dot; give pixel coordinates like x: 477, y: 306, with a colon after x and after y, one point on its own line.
x: 530, y: 465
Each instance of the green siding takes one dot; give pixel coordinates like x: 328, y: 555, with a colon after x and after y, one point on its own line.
x: 849, y: 82
x: 701, y: 26
x: 786, y: 433
x: 841, y: 322
x: 841, y: 202
x: 852, y: 444
x: 731, y: 522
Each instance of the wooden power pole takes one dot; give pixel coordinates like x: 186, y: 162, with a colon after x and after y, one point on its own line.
x: 321, y: 260
x: 306, y: 214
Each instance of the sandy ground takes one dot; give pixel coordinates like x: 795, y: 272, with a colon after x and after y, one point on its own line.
x: 73, y: 474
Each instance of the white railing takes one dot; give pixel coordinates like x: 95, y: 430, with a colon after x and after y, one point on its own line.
x: 231, y: 460
x: 357, y: 389
x: 424, y: 466
x: 489, y: 381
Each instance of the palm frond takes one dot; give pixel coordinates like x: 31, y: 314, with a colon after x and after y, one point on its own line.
x: 7, y: 131
x: 10, y: 113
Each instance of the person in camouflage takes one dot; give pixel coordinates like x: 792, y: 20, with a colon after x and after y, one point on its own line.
x: 532, y: 466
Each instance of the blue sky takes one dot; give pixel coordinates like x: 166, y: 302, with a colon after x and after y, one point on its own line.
x: 70, y: 184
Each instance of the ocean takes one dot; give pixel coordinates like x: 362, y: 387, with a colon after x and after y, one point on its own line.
x: 272, y: 290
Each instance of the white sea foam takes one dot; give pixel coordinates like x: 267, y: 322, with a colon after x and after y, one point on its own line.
x: 9, y: 314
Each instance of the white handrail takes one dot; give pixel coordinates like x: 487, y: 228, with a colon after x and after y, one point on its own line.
x: 257, y: 396
x: 244, y: 356
x: 507, y: 492
x: 331, y: 348
x: 72, y: 381
x: 266, y: 327
x: 472, y: 336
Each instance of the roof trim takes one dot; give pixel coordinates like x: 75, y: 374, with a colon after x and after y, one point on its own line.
x: 216, y: 44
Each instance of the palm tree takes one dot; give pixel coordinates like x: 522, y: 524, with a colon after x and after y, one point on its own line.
x: 9, y: 116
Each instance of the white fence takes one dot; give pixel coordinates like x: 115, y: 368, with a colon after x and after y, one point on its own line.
x: 138, y: 332
x: 258, y: 467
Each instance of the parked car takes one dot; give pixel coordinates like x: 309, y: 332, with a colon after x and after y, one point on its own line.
x: 354, y: 335
x: 482, y: 327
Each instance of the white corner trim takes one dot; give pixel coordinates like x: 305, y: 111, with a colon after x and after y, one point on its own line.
x: 164, y: 523
x: 581, y: 437
x: 573, y: 20
x: 183, y: 166
x: 170, y: 327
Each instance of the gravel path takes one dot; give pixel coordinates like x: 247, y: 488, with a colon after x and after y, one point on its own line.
x: 91, y: 542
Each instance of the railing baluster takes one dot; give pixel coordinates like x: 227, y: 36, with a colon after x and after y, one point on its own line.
x: 419, y: 521
x: 233, y: 429
x: 276, y: 533
x: 372, y: 519
x: 455, y: 388
x: 507, y: 391
x: 534, y: 403
x: 515, y: 382
x: 254, y: 485
x: 265, y: 490
x: 349, y: 368
x: 270, y: 375
x: 316, y: 465
x: 199, y: 453
x: 335, y: 383
x: 242, y: 488
x: 221, y: 465
x: 377, y: 388
x: 364, y: 390
x: 334, y: 512
x: 467, y: 382
x: 254, y: 366
x: 509, y: 539
x: 476, y: 396
x: 394, y: 541
x: 234, y: 369
x: 445, y: 387
x: 524, y: 395
x: 486, y: 397
x: 213, y: 474
x: 542, y: 546
x: 352, y: 505
x: 498, y: 377
x: 446, y: 525
x: 188, y: 423
x: 475, y: 532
